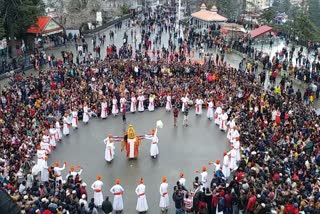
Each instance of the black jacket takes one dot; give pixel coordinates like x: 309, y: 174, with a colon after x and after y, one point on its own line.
x: 107, y: 207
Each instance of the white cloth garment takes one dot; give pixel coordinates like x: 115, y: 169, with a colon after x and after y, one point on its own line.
x: 97, y: 192
x: 142, y: 205
x: 199, y: 103
x: 210, y: 110
x: 164, y: 196
x: 225, y: 166
x: 140, y: 103
x: 133, y: 106
x: 151, y: 104
x: 168, y: 103
x: 86, y: 114
x: 117, y: 191
x: 109, y: 151
x: 104, y: 110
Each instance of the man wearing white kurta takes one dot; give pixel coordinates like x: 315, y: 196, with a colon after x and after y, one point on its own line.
x: 45, y: 146
x: 104, y: 109
x: 123, y: 102
x: 164, y: 197
x: 44, y: 172
x: 52, y: 134
x: 74, y: 120
x: 184, y: 104
x: 142, y: 205
x: 182, y: 180
x: 151, y: 103
x: 133, y: 106
x: 58, y: 130
x: 74, y: 173
x: 235, y: 134
x: 140, y: 103
x: 117, y: 191
x: 210, y: 110
x: 154, y: 149
x: 217, y: 115
x: 204, y: 177
x: 199, y: 103
x: 233, y: 161
x: 86, y: 114
x: 231, y: 124
x: 168, y: 103
x: 109, y: 151
x: 115, y: 109
x: 97, y: 195
x: 57, y: 171
x: 225, y: 166
x: 41, y: 154
x: 66, y: 123
x: 236, y: 145
x: 223, y: 122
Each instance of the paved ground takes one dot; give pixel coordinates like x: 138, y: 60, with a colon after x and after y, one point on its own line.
x: 182, y: 149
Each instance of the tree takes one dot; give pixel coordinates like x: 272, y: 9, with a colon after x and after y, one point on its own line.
x: 268, y: 15
x: 2, y: 30
x: 18, y: 16
x: 124, y: 9
x: 314, y: 11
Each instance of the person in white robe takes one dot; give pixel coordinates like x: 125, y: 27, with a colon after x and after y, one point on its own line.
x: 58, y: 170
x: 199, y: 102
x: 41, y: 154
x: 117, y: 191
x: 217, y: 165
x: 217, y: 115
x: 182, y: 179
x: 168, y: 102
x: 86, y: 114
x: 74, y: 120
x: 44, y: 171
x: 142, y: 204
x: 231, y: 124
x: 235, y: 134
x: 233, y: 162
x: 223, y: 121
x: 97, y: 191
x: 66, y: 125
x: 52, y: 134
x: 123, y: 102
x: 115, y: 109
x: 133, y: 105
x: 184, y: 103
x: 46, y: 146
x: 225, y: 165
x: 236, y: 145
x: 151, y: 103
x: 58, y: 130
x: 210, y: 110
x: 204, y: 177
x: 164, y: 196
x: 74, y: 173
x: 154, y: 149
x: 109, y: 151
x: 104, y: 109
x: 140, y: 103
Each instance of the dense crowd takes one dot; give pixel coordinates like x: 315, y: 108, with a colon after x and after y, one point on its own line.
x: 279, y: 166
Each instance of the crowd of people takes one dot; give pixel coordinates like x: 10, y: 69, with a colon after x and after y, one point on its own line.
x: 274, y: 170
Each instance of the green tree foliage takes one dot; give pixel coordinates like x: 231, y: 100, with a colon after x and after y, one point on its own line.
x: 124, y: 9
x: 314, y: 11
x: 268, y: 15
x: 19, y: 15
x: 2, y: 30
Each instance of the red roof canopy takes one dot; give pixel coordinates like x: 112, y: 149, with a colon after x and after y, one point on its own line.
x: 45, y: 25
x: 260, y: 31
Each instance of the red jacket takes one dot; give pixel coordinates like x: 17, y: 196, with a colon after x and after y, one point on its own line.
x: 251, y: 203
x: 290, y: 209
